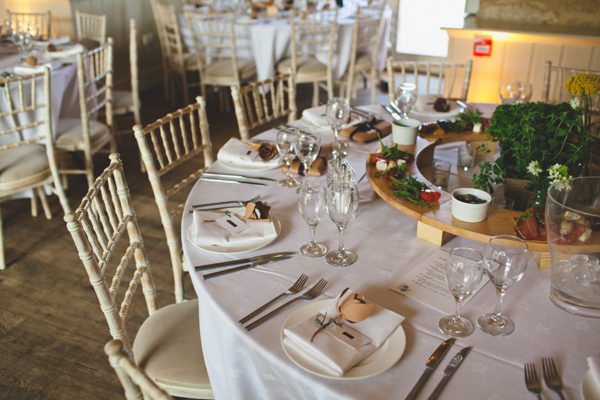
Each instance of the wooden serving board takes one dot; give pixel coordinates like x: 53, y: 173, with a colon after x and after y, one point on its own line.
x: 449, y: 137
x: 436, y: 224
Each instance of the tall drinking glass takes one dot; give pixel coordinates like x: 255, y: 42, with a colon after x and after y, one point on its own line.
x: 307, y: 147
x: 505, y: 260
x: 406, y: 97
x: 510, y: 90
x: 338, y: 111
x: 463, y: 273
x: 286, y: 143
x: 311, y: 203
x: 342, y: 203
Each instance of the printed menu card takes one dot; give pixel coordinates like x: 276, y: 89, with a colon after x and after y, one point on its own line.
x: 426, y: 283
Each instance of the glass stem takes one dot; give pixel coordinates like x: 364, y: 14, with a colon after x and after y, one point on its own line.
x: 288, y: 164
x: 313, y: 228
x: 341, y: 249
x: 457, y: 310
x: 306, y: 169
x: 498, y: 309
x: 336, y: 134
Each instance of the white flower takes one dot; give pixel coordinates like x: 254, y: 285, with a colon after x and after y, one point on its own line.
x: 558, y: 172
x: 575, y: 103
x: 534, y: 168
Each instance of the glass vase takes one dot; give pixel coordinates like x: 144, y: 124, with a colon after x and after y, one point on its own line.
x: 573, y: 225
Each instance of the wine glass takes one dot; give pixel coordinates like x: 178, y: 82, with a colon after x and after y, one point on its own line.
x: 525, y: 93
x: 505, y: 260
x: 307, y: 147
x: 311, y: 203
x: 342, y: 203
x: 338, y: 111
x: 463, y: 273
x: 286, y: 142
x: 406, y: 97
x: 509, y: 91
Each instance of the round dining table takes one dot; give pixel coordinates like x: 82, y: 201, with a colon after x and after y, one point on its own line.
x: 253, y: 364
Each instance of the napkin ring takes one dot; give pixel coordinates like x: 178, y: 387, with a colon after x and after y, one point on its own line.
x: 366, y: 127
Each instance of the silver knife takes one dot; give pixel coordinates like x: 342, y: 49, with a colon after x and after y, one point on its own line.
x: 450, y: 369
x: 243, y: 267
x: 209, y: 179
x: 430, y: 365
x: 209, y: 174
x: 394, y: 115
x: 360, y: 112
x: 243, y: 260
x: 395, y: 108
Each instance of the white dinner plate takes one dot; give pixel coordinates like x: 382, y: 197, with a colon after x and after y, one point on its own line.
x: 255, y: 167
x: 243, y: 248
x: 454, y: 111
x: 377, y: 362
x: 590, y: 388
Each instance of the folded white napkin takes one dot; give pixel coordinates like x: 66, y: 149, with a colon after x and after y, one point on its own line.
x: 317, y: 118
x: 57, y: 41
x: 208, y: 233
x: 422, y: 108
x: 66, y: 52
x: 27, y: 70
x: 241, y: 155
x: 331, y: 353
x: 594, y: 364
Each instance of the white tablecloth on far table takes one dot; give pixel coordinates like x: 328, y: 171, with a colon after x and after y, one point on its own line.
x: 253, y: 365
x: 266, y: 41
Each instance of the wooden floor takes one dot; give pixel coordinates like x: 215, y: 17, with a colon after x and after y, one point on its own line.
x: 52, y: 331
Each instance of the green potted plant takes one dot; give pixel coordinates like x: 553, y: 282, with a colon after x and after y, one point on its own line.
x: 545, y: 133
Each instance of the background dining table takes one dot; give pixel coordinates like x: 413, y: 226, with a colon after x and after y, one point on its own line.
x: 253, y: 365
x: 266, y: 40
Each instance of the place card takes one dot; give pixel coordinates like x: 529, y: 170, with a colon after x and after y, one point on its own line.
x: 232, y: 223
x: 426, y: 283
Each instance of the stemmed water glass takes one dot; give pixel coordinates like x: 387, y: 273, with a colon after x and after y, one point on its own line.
x: 510, y: 90
x: 525, y: 93
x: 338, y: 111
x: 342, y: 203
x: 505, y: 260
x: 406, y: 97
x: 311, y: 203
x: 463, y: 273
x: 307, y: 147
x: 286, y: 143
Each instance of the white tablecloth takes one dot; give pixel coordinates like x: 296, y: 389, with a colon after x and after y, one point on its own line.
x: 253, y: 365
x: 266, y: 41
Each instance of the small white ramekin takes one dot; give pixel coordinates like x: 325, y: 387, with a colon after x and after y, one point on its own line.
x: 470, y: 212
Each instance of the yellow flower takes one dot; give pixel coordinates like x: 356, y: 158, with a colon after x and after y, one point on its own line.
x: 583, y: 84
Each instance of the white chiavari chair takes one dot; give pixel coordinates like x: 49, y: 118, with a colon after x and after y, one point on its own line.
x: 214, y: 43
x: 27, y: 156
x: 260, y: 103
x: 162, y: 40
x: 42, y: 20
x: 86, y: 135
x: 313, y: 33
x: 90, y: 27
x: 170, y: 144
x: 179, y: 61
x: 365, y: 45
x: 135, y: 382
x: 167, y: 345
x: 446, y: 74
x: 554, y: 79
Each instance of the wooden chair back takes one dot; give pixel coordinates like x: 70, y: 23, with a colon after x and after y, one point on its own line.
x: 133, y: 63
x: 162, y: 40
x: 105, y: 219
x: 166, y: 145
x: 42, y: 20
x: 554, y: 79
x: 259, y: 103
x: 447, y: 73
x: 312, y: 33
x: 134, y: 380
x: 365, y: 40
x: 90, y: 26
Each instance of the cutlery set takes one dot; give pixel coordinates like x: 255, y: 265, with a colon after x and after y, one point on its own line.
x: 397, y: 116
x: 551, y: 377
x: 238, y: 179
x: 431, y: 365
x: 252, y: 262
x: 222, y: 204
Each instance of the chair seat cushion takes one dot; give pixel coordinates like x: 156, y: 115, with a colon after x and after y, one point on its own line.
x: 70, y: 134
x: 22, y: 164
x: 168, y: 347
x: 309, y: 69
x: 190, y: 61
x: 122, y: 99
x: 363, y: 63
x: 224, y: 68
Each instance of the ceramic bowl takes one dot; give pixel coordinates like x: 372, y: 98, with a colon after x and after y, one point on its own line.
x: 470, y: 212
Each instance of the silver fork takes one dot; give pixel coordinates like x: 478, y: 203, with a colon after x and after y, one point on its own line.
x: 240, y: 202
x: 551, y: 376
x: 296, y: 287
x: 531, y: 380
x: 313, y: 293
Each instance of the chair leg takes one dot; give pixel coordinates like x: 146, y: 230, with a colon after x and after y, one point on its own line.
x: 34, y: 207
x: 89, y: 169
x: 44, y: 202
x: 2, y: 261
x: 185, y: 87
x: 315, y: 99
